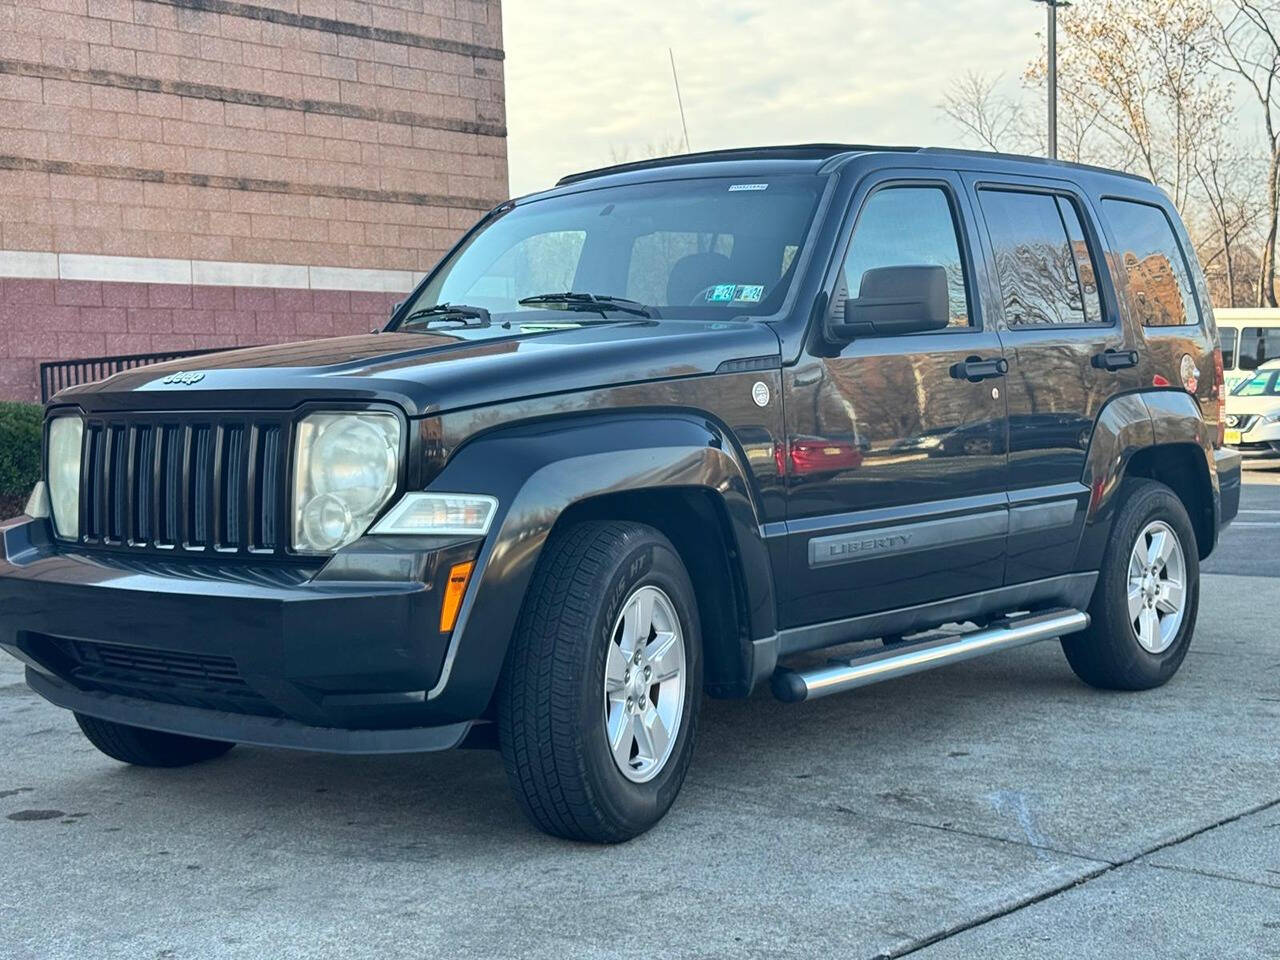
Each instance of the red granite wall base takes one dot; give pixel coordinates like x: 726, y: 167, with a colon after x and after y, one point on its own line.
x: 42, y: 320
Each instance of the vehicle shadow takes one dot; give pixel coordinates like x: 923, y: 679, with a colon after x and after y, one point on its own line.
x: 423, y: 804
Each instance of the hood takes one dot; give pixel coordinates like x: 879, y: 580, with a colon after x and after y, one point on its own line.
x: 1252, y: 405
x: 428, y: 373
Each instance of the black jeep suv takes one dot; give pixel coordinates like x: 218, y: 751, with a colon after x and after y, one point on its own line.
x: 650, y: 433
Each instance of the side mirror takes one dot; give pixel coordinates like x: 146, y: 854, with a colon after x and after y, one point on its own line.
x: 896, y: 300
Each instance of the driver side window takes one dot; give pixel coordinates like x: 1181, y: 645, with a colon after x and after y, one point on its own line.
x: 906, y: 226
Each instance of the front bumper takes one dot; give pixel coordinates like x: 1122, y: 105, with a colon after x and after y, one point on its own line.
x: 1262, y: 440
x: 336, y: 659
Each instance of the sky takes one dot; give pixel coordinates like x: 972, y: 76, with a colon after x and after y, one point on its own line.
x: 589, y: 81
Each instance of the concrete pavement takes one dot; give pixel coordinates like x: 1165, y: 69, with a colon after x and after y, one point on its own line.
x: 997, y: 808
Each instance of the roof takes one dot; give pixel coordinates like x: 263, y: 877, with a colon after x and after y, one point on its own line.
x: 817, y: 155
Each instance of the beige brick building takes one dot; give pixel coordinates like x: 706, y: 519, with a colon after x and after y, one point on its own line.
x: 183, y: 174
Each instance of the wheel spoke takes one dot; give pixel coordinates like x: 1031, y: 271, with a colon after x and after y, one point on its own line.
x: 652, y: 735
x: 1135, y: 600
x: 664, y: 657
x: 622, y: 733
x: 1137, y: 562
x: 637, y: 622
x: 615, y: 668
x: 1170, y: 599
x: 1158, y: 549
x: 1149, y: 628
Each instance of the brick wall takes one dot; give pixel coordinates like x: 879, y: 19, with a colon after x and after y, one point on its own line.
x: 323, y: 133
x: 313, y: 131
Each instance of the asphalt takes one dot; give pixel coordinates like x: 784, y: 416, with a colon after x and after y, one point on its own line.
x: 994, y: 809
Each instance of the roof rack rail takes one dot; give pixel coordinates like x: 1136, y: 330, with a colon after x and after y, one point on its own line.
x: 824, y: 151
x: 1029, y: 158
x: 800, y: 151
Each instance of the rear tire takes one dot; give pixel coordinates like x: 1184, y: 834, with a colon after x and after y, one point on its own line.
x: 148, y: 748
x: 598, y: 702
x: 1143, y: 612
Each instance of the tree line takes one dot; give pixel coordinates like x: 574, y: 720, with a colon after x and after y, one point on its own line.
x: 1184, y: 92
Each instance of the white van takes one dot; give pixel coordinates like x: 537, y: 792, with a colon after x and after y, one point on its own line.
x: 1250, y: 336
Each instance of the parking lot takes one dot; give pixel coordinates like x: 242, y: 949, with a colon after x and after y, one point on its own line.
x: 998, y: 808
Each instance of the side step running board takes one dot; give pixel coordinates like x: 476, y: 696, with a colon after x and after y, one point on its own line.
x: 841, y: 675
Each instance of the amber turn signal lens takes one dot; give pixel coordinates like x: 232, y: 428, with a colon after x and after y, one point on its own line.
x: 459, y: 574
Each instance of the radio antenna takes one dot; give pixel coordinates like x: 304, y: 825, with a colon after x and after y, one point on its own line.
x: 679, y: 100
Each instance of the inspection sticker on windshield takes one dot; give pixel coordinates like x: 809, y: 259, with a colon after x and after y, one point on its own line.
x: 722, y: 293
x: 744, y: 187
x: 750, y: 293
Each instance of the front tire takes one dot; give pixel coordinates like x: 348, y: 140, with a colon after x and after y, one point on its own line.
x: 148, y: 748
x: 1144, y: 607
x: 599, y: 697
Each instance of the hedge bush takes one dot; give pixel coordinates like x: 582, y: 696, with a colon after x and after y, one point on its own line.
x: 20, y: 432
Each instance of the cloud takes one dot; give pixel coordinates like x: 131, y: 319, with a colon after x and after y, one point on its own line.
x: 587, y: 78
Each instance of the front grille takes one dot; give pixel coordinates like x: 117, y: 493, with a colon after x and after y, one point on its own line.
x: 208, y: 681
x: 213, y: 485
x: 151, y: 664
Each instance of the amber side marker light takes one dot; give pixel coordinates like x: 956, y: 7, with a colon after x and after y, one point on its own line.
x: 459, y: 574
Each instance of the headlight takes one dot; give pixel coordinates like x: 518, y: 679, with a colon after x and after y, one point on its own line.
x: 449, y: 514
x: 66, y: 435
x: 344, y: 471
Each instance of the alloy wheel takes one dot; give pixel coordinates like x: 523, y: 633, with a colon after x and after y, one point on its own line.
x: 1157, y: 587
x: 644, y: 684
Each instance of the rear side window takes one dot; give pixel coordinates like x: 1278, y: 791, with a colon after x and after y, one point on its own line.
x: 1227, y: 337
x: 906, y: 226
x: 1257, y: 346
x: 1159, y: 281
x: 1046, y: 270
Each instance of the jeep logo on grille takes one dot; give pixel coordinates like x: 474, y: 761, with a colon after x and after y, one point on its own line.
x: 184, y: 378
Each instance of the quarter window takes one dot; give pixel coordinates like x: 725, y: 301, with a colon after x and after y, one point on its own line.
x: 1159, y: 281
x: 906, y: 226
x: 1043, y: 261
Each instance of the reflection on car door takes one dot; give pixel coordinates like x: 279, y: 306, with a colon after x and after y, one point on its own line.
x: 1067, y: 356
x: 895, y: 460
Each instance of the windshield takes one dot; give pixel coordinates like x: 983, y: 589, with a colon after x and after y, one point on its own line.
x: 1266, y: 383
x: 695, y: 249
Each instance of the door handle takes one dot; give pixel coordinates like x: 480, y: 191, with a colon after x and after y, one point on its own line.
x: 975, y: 369
x: 1113, y: 359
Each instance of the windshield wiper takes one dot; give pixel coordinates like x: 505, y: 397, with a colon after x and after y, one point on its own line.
x: 596, y: 303
x: 450, y: 311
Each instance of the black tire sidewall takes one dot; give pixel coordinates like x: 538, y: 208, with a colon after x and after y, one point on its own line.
x: 1150, y: 502
x: 639, y: 805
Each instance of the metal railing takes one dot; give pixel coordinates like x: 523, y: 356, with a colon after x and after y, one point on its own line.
x: 58, y: 374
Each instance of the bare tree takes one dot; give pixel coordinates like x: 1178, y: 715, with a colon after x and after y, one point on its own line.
x: 1227, y: 186
x: 992, y: 120
x: 1139, y: 74
x: 1249, y: 34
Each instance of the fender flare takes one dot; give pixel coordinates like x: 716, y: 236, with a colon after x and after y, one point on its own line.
x: 539, y: 469
x: 1126, y: 425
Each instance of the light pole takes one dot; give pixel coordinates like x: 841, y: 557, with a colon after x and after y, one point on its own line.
x: 1053, y: 6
